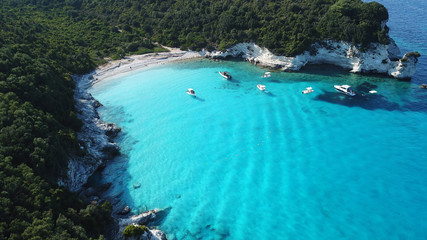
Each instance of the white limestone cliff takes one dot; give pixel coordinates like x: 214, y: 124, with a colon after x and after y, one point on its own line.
x: 378, y: 58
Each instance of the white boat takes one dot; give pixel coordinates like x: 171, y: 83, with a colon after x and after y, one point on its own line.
x: 345, y: 89
x: 225, y: 74
x: 261, y: 87
x: 266, y: 75
x: 373, y: 91
x: 308, y: 90
x: 191, y: 92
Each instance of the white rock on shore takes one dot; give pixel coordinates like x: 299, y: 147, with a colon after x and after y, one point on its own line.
x: 378, y: 58
x: 141, y: 219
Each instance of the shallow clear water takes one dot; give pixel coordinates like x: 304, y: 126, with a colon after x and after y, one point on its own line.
x: 237, y: 163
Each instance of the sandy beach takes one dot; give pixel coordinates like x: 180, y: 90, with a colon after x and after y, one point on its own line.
x: 136, y: 62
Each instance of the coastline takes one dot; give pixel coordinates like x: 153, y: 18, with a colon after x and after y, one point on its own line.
x: 133, y: 63
x: 383, y: 59
x: 97, y: 136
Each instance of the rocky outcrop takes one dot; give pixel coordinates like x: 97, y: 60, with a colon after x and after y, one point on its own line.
x: 95, y: 138
x: 110, y: 129
x: 378, y: 58
x: 125, y: 211
x: 406, y: 67
x: 157, y: 234
x: 141, y: 219
x: 152, y: 234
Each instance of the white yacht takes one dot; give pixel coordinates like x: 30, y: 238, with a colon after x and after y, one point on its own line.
x: 346, y: 89
x: 191, y: 92
x: 225, y: 74
x: 266, y: 75
x: 308, y: 90
x: 261, y: 87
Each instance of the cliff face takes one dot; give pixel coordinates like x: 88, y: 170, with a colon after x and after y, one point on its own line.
x: 378, y: 58
x: 95, y: 138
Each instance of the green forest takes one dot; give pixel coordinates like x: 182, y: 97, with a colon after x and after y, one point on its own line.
x: 44, y: 42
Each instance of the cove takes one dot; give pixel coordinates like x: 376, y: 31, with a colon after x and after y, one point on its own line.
x: 237, y: 163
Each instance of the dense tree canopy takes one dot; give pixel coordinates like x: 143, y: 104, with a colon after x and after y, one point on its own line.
x: 287, y: 27
x: 43, y: 42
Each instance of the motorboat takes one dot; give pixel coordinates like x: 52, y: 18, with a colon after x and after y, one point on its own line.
x: 225, y: 74
x: 266, y: 75
x: 308, y: 90
x: 261, y: 87
x: 345, y: 89
x: 191, y: 92
x: 373, y: 91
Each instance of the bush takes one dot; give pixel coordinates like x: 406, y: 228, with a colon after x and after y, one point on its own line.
x: 134, y: 231
x: 410, y: 54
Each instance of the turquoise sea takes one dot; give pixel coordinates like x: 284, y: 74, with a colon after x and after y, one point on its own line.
x: 237, y: 163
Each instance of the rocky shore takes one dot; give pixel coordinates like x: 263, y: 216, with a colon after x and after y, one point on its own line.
x: 95, y: 138
x: 377, y: 58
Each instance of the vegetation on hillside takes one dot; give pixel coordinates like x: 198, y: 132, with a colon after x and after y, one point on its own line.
x: 43, y: 42
x: 286, y: 27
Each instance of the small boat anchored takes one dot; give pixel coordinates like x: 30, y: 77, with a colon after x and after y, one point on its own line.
x: 225, y: 75
x: 308, y: 90
x: 266, y: 75
x: 345, y: 89
x: 261, y: 87
x: 191, y: 92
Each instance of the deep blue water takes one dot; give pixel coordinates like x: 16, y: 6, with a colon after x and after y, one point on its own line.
x: 236, y: 163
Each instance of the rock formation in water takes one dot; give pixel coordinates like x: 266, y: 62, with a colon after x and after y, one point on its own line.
x: 377, y: 58
x: 139, y: 220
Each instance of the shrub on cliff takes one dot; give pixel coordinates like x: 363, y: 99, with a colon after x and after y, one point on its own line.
x: 134, y: 231
x: 411, y: 54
